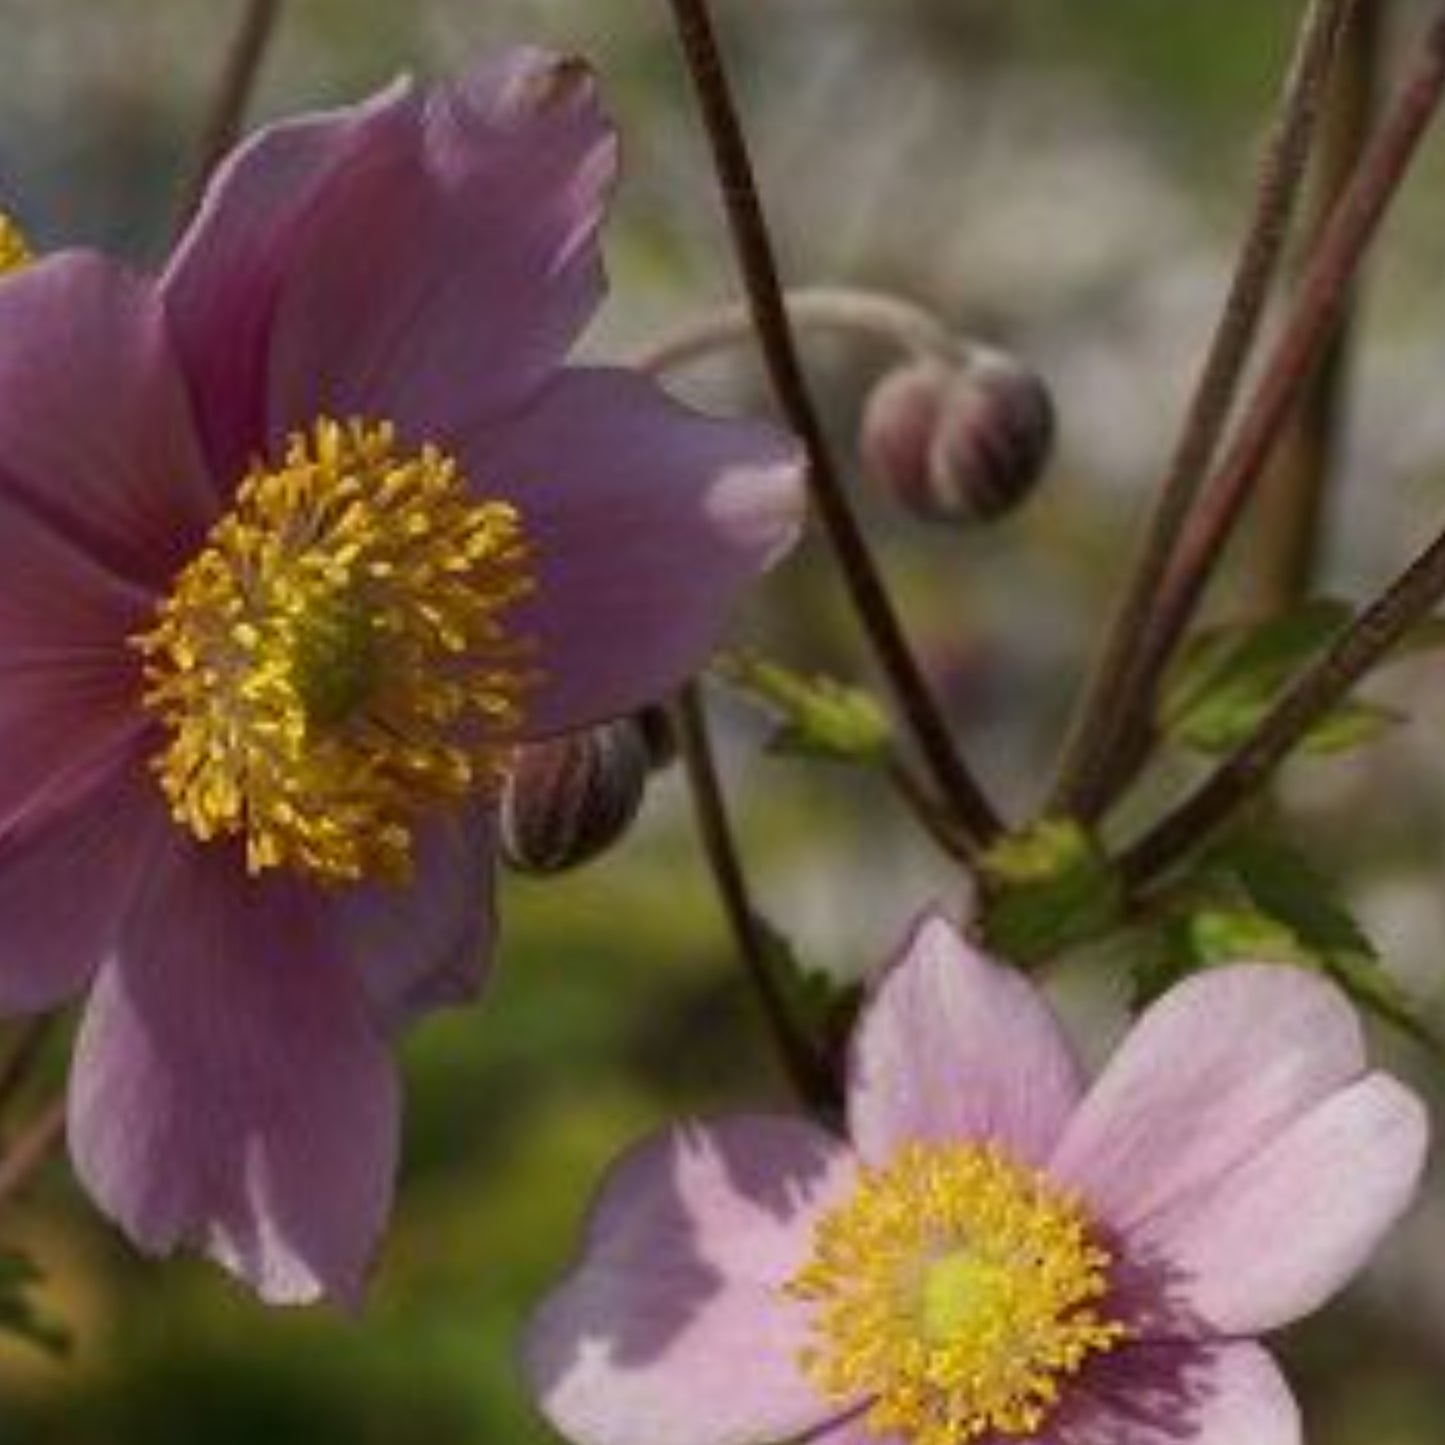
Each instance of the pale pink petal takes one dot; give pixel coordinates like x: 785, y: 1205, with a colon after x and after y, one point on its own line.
x: 230, y: 1091
x: 955, y: 1047
x: 66, y: 888
x: 1208, y: 1076
x: 424, y: 258
x: 1276, y: 1236
x: 1158, y: 1394
x: 647, y: 520
x: 673, y: 1329
x: 69, y: 683
x: 96, y: 435
x: 426, y: 944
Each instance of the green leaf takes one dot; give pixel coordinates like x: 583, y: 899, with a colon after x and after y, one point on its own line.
x: 1046, y: 889
x: 1259, y: 897
x: 1231, y: 676
x: 19, y: 1315
x: 821, y: 1006
x: 817, y: 716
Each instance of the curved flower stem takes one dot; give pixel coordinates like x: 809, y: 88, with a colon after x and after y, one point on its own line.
x: 951, y: 775
x: 876, y: 315
x: 1120, y: 686
x: 806, y: 1067
x: 228, y: 104
x: 1366, y: 640
x: 1316, y: 309
x: 1292, y: 521
x: 31, y: 1148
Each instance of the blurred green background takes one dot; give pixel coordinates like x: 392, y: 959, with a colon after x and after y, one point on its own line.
x: 1064, y: 178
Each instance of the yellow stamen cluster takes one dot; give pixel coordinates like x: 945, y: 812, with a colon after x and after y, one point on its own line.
x: 336, y: 661
x: 14, y: 253
x: 955, y: 1292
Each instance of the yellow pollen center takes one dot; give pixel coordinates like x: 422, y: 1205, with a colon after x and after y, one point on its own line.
x: 14, y: 253
x: 954, y: 1292
x: 337, y: 661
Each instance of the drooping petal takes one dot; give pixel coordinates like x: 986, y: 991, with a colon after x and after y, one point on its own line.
x: 1227, y: 1394
x: 424, y: 259
x: 229, y: 1090
x: 672, y: 1329
x: 953, y: 1046
x: 96, y: 434
x: 647, y: 520
x: 425, y: 945
x: 66, y: 887
x: 69, y: 683
x: 1209, y: 1076
x: 1275, y: 1237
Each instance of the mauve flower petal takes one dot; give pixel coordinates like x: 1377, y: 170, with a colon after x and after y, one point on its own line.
x: 1213, y: 1072
x: 951, y: 1047
x: 69, y: 684
x: 230, y: 1090
x: 1274, y: 1238
x: 648, y: 519
x: 425, y: 945
x: 672, y: 1328
x: 96, y: 434
x: 424, y: 258
x: 1172, y: 1394
x: 90, y: 857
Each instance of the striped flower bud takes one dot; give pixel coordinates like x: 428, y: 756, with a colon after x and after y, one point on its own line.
x: 963, y: 444
x: 570, y: 798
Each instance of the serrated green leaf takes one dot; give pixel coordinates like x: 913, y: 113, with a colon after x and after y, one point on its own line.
x: 818, y: 716
x: 823, y: 1007
x: 1261, y: 898
x: 19, y: 1315
x: 1230, y: 677
x: 1047, y: 889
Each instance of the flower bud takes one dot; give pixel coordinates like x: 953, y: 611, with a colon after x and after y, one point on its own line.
x: 570, y: 798
x: 959, y: 443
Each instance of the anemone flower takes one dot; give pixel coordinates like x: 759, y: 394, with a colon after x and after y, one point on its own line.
x: 298, y: 542
x: 997, y: 1253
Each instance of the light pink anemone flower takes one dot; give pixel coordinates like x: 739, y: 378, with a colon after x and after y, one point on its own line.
x: 297, y: 542
x: 999, y: 1253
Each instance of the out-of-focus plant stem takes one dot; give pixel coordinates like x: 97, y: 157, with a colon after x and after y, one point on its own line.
x: 1105, y: 737
x: 227, y: 110
x: 1293, y: 496
x: 875, y: 315
x: 1314, y: 311
x: 806, y: 1067
x: 31, y: 1148
x: 1368, y: 639
x: 951, y: 775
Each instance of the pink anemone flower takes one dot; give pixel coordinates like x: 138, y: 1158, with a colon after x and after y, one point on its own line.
x: 298, y: 542
x: 998, y: 1253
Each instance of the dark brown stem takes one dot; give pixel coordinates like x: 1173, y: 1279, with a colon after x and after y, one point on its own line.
x: 228, y: 105
x: 925, y: 809
x: 1293, y: 495
x: 1360, y: 645
x: 951, y: 775
x: 1120, y: 684
x: 806, y: 1066
x: 31, y: 1148
x: 1312, y: 317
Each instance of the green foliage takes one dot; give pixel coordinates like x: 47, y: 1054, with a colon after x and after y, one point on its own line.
x: 1258, y: 897
x: 1230, y: 676
x: 1046, y: 889
x: 19, y: 1314
x: 823, y: 1007
x: 818, y: 716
